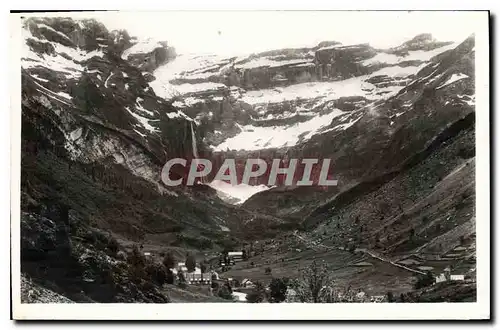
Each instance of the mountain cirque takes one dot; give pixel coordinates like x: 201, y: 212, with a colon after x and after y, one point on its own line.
x: 103, y: 111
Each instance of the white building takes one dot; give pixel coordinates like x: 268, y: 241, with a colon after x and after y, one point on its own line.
x: 443, y: 277
x: 440, y: 278
x: 240, y: 296
x: 457, y: 277
x: 235, y: 255
x: 246, y: 283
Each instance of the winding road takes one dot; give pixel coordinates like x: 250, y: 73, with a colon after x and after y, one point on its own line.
x: 366, y: 251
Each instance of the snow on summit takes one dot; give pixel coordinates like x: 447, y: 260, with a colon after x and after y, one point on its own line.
x: 307, y: 79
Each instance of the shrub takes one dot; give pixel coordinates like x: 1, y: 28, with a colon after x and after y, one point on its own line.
x: 121, y: 255
x: 390, y: 297
x: 113, y: 246
x: 225, y: 293
x: 181, y: 279
x: 268, y: 270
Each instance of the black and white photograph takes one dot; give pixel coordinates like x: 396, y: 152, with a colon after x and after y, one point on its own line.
x: 184, y: 165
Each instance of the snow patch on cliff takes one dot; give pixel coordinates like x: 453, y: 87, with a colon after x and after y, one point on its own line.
x: 417, y: 55
x: 455, y: 77
x: 240, y: 192
x: 255, y: 137
x: 143, y: 121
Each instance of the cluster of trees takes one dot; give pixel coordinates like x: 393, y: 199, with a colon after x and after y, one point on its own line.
x: 170, y: 263
x: 160, y: 273
x: 314, y: 285
x: 142, y: 269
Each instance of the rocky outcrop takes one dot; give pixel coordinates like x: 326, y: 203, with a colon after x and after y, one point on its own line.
x: 33, y: 293
x: 103, y: 93
x: 421, y: 42
x: 78, y: 262
x: 148, y: 55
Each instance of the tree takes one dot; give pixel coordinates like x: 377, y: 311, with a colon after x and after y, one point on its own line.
x: 169, y: 260
x: 157, y: 273
x: 190, y: 263
x: 313, y: 279
x: 424, y: 280
x: 170, y: 277
x: 390, y: 297
x: 278, y: 287
x: 203, y: 268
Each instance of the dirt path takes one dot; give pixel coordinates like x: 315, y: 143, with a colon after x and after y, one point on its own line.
x: 368, y: 252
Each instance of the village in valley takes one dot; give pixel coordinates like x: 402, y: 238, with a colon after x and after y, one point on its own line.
x: 245, y: 275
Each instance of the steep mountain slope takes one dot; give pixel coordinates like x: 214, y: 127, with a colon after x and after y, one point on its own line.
x: 407, y: 188
x: 95, y: 137
x: 389, y: 132
x: 99, y: 110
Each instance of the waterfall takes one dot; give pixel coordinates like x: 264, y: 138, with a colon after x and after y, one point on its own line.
x: 195, y: 148
x: 193, y: 142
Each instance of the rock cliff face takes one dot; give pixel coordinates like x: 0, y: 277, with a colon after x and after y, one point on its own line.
x: 95, y: 137
x: 288, y: 102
